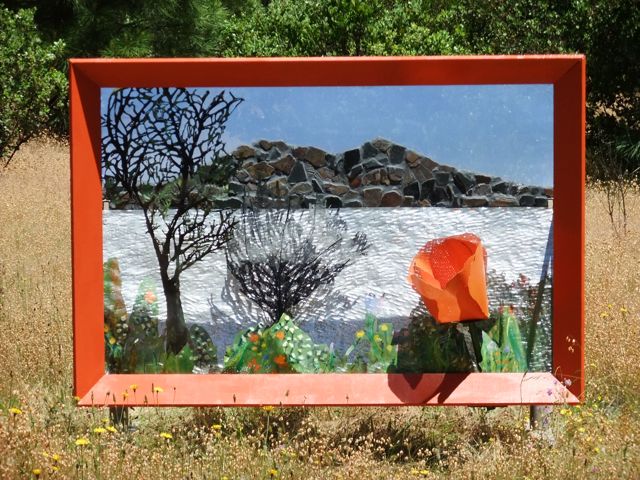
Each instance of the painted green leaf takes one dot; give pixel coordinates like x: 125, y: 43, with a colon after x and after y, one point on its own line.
x: 502, y: 349
x: 205, y: 354
x: 180, y: 363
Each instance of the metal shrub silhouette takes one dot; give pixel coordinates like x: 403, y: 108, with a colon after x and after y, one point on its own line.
x: 278, y: 259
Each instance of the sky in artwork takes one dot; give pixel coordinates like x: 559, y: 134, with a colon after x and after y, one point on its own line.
x: 503, y: 130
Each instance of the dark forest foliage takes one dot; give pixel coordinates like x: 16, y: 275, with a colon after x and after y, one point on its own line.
x: 607, y: 31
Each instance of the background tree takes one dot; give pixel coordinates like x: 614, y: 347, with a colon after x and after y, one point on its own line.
x: 155, y: 142
x: 32, y: 91
x: 92, y: 28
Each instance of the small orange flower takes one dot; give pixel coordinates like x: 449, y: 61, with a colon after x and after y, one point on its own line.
x: 253, y: 365
x: 280, y: 335
x: 280, y: 360
x: 150, y: 297
x: 254, y: 338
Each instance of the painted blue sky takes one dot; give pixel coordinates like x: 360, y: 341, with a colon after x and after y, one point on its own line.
x: 504, y: 130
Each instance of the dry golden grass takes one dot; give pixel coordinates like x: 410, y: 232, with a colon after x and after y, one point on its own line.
x: 597, y: 440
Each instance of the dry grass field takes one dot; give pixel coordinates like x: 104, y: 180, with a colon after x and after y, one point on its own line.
x: 43, y: 434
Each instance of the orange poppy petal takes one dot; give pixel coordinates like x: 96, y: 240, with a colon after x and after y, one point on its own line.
x: 450, y: 276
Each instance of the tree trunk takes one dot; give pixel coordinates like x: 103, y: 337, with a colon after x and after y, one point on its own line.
x: 176, y: 328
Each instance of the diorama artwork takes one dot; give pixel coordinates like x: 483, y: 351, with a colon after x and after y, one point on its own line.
x: 328, y: 229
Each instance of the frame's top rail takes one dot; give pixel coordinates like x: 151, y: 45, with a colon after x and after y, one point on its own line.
x: 326, y: 71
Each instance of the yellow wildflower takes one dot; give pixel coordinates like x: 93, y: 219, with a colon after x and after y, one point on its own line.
x: 81, y: 442
x: 76, y: 398
x: 36, y: 472
x: 99, y: 430
x: 166, y: 435
x: 216, y: 426
x: 112, y: 340
x: 623, y: 310
x: 55, y: 457
x: 604, y: 315
x: 15, y: 411
x: 384, y: 328
x: 389, y: 348
x: 133, y: 387
x: 376, y: 338
x: 267, y: 408
x: 273, y: 472
x: 360, y: 334
x: 424, y: 472
x: 158, y: 389
x: 112, y: 429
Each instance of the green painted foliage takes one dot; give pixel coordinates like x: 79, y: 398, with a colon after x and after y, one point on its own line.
x: 144, y: 316
x: 281, y: 348
x: 502, y: 348
x: 430, y: 347
x: 133, y: 343
x: 381, y: 354
x: 205, y: 354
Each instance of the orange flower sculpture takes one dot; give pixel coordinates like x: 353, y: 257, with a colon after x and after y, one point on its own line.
x: 450, y: 275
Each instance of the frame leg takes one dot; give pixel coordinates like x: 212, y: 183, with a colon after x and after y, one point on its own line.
x: 540, y: 422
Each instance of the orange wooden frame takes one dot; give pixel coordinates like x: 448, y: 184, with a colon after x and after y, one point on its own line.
x: 564, y: 385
